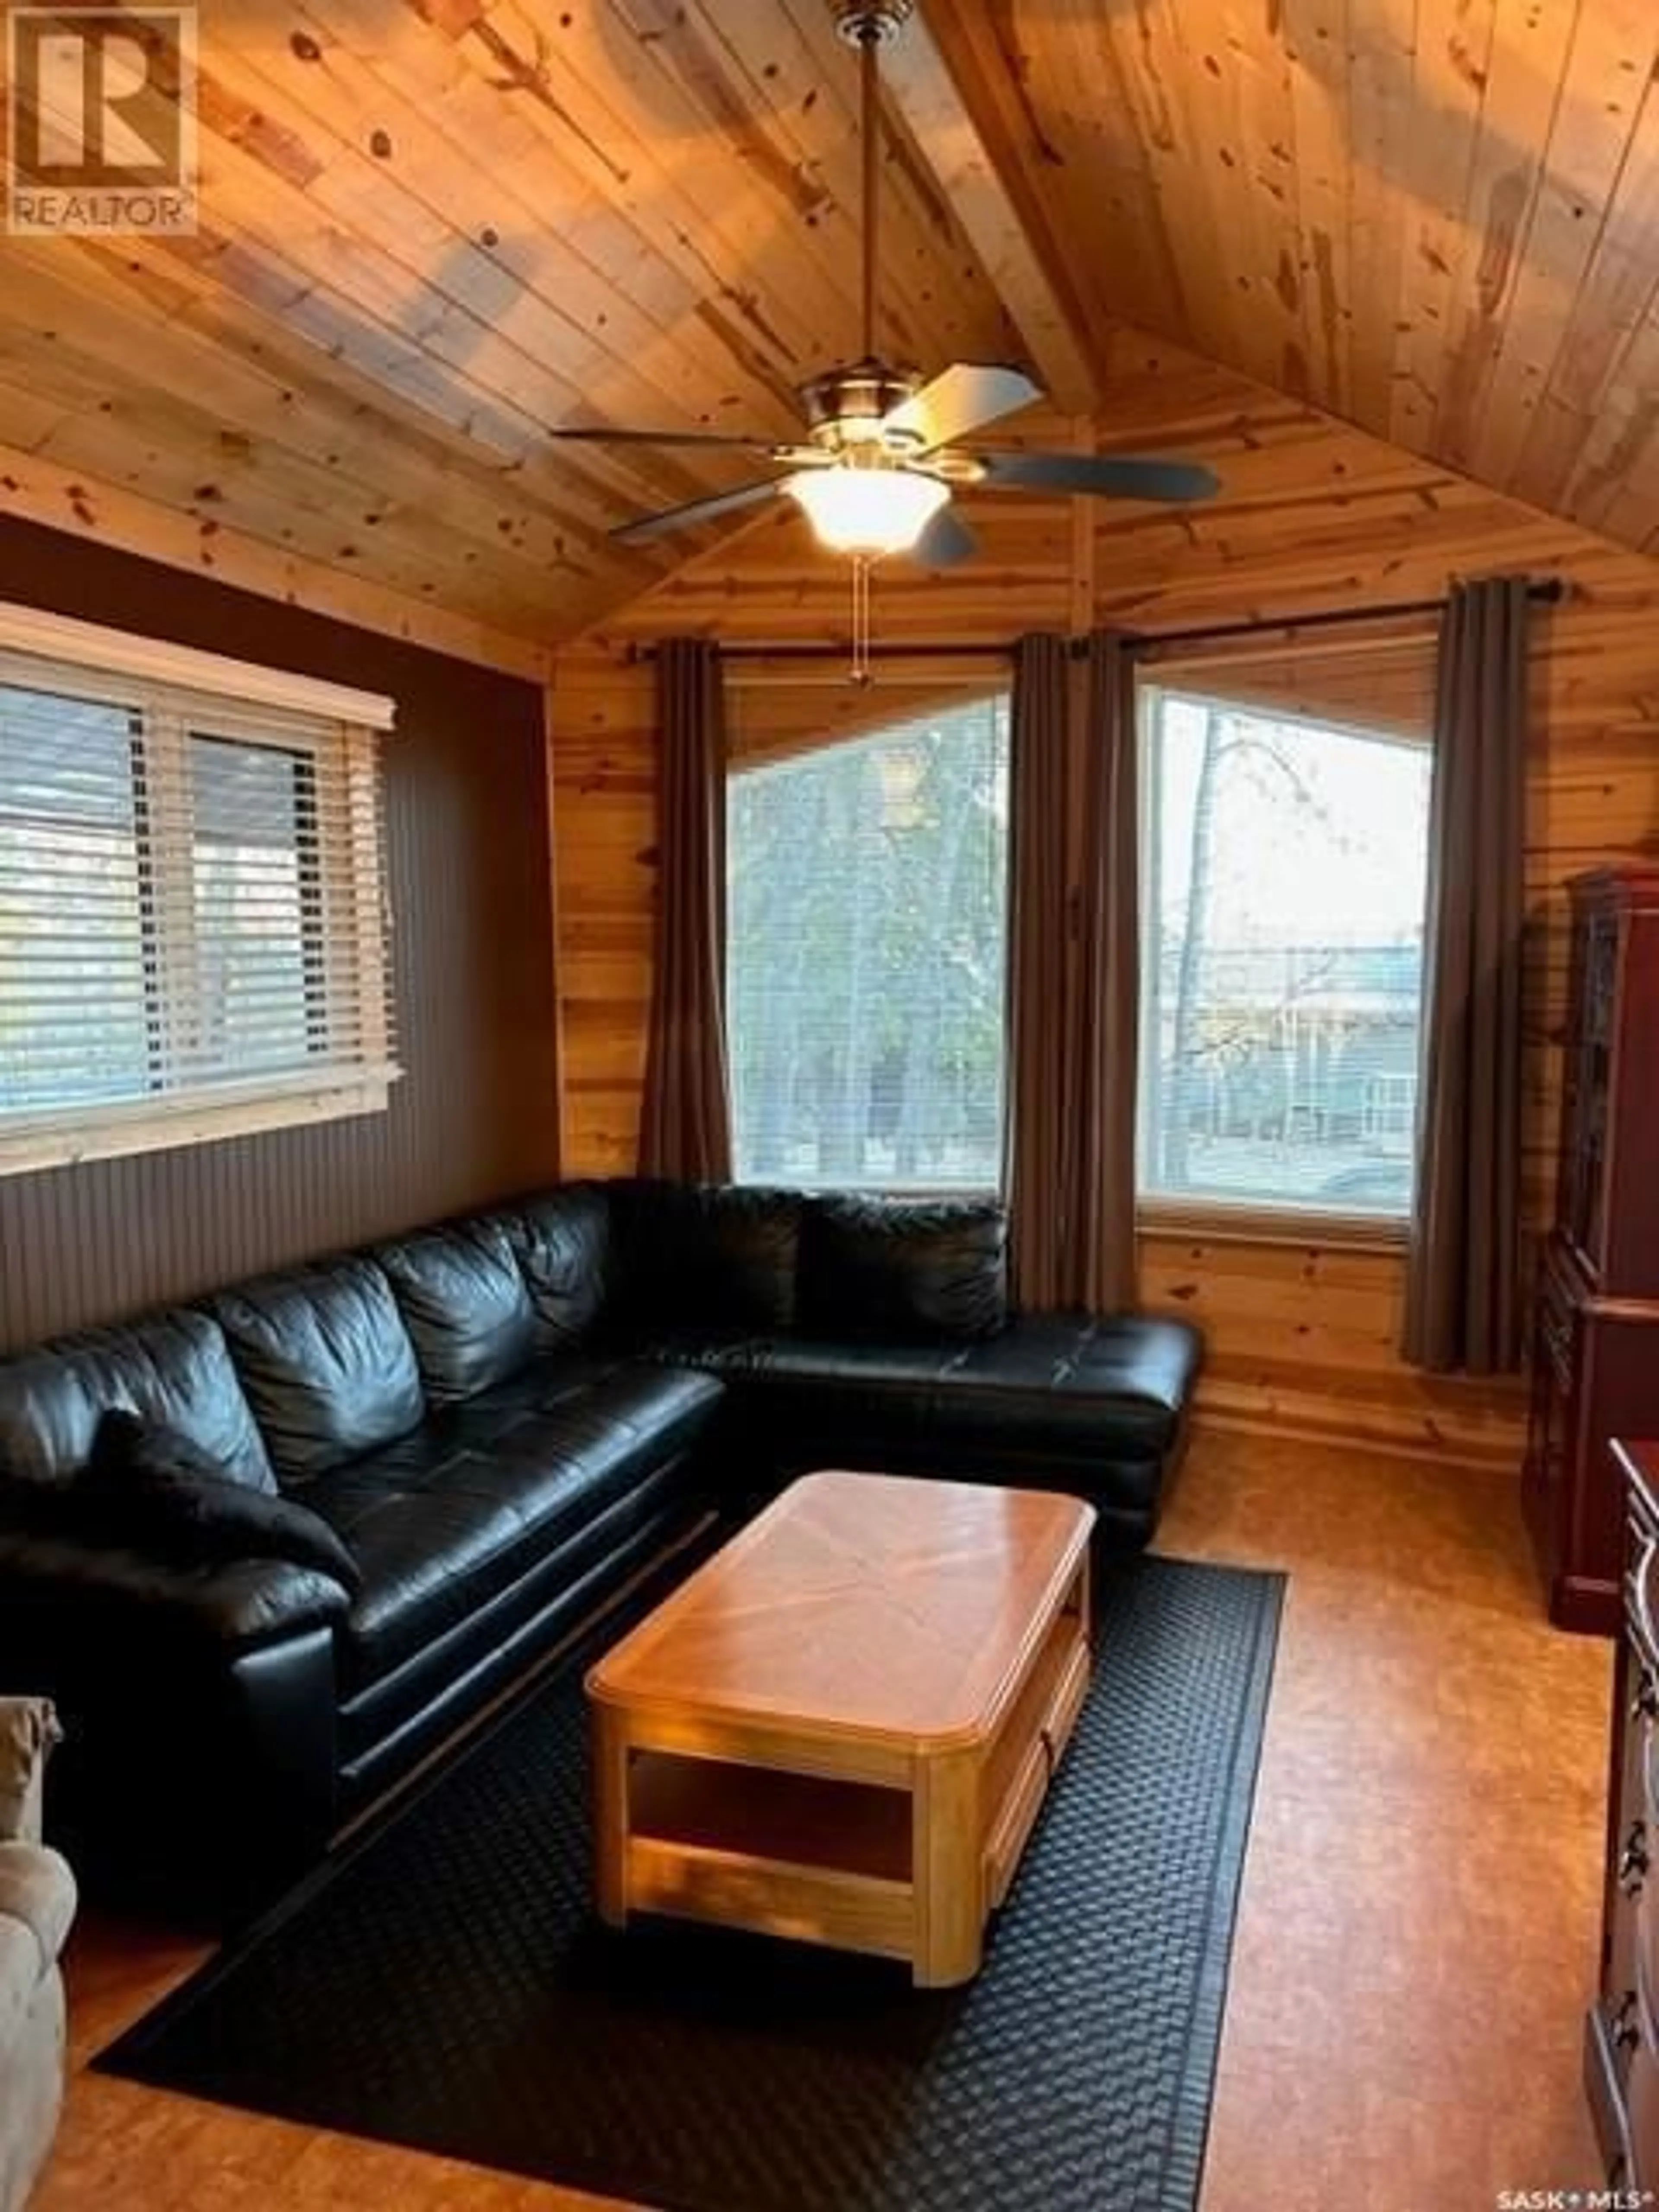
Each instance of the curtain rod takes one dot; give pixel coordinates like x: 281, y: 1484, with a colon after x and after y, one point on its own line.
x: 1547, y: 591
x: 837, y: 679
x: 797, y: 649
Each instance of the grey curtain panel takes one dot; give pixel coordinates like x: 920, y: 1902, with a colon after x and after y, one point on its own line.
x: 685, y: 1123
x: 1073, y: 976
x: 1463, y: 1288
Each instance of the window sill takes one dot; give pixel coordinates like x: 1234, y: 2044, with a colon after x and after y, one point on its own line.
x: 29, y: 1144
x: 1218, y: 1222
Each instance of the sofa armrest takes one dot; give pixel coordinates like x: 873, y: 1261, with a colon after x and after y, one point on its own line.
x: 37, y: 1890
x: 29, y: 1728
x: 199, y: 1765
x: 56, y: 1591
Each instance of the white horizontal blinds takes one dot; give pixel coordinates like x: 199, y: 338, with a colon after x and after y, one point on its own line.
x: 77, y: 1006
x: 1284, y: 864
x: 866, y: 965
x: 190, y: 903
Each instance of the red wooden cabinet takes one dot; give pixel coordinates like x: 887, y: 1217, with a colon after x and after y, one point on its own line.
x: 1595, y: 1350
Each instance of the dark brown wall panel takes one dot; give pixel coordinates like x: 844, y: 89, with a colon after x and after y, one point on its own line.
x: 475, y: 1114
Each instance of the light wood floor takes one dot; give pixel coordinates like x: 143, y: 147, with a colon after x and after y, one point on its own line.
x: 1418, y: 1936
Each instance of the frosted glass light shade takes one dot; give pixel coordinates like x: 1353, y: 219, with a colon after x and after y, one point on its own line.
x: 868, y: 511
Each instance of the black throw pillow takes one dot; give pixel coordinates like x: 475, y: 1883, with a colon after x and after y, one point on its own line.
x: 149, y: 1485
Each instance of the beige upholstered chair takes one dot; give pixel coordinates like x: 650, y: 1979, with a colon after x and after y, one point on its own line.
x: 37, y: 1904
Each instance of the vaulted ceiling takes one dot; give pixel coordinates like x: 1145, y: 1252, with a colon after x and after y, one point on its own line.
x: 1437, y: 218
x: 431, y: 229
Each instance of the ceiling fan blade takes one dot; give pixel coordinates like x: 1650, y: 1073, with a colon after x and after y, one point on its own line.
x: 962, y: 399
x: 694, y: 510
x: 583, y: 435
x: 1108, y: 476
x: 945, y: 541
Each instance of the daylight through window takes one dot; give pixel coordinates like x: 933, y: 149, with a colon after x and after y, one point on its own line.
x: 1284, y: 871
x: 866, y: 982
x: 192, y: 915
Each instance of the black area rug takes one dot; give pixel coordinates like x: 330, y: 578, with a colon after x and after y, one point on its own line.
x: 443, y: 1986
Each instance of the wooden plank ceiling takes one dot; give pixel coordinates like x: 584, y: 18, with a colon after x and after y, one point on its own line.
x: 434, y: 228
x: 429, y: 232
x: 1438, y: 219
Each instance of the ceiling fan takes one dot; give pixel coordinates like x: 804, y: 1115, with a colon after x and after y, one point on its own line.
x: 880, y: 458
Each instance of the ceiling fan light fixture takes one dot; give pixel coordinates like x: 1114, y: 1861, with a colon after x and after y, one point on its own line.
x: 867, y: 511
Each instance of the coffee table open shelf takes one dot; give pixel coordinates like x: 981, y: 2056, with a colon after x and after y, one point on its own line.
x: 843, y: 1726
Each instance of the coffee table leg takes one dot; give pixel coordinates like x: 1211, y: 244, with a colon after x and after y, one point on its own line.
x: 610, y: 1815
x: 947, y: 1852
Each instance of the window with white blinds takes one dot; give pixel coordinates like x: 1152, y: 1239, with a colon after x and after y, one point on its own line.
x: 1284, y: 867
x: 866, y: 922
x: 193, y: 928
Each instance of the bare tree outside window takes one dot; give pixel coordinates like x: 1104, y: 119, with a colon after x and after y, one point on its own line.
x: 1284, y: 872
x: 867, y: 893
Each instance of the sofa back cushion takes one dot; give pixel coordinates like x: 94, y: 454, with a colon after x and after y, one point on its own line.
x: 326, y: 1362
x: 465, y: 1304
x: 902, y: 1269
x: 712, y: 1256
x: 744, y: 1256
x: 173, y: 1368
x: 563, y: 1241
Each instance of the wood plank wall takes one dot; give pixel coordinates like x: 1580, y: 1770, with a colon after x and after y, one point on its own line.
x: 1316, y: 517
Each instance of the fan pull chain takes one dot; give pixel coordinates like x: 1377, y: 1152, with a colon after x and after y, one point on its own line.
x: 860, y: 671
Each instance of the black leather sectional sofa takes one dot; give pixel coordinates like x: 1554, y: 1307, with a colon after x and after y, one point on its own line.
x: 505, y: 1417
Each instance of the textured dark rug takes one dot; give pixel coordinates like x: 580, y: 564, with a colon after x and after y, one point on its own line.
x: 444, y: 1986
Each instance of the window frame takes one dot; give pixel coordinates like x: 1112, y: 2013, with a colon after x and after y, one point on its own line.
x: 1213, y: 1217
x: 177, y: 694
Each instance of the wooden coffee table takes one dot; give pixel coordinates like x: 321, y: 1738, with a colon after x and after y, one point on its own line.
x: 842, y: 1727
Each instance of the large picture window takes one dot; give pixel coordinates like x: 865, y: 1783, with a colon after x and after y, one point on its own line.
x: 866, y: 962
x: 192, y: 924
x: 1284, y: 869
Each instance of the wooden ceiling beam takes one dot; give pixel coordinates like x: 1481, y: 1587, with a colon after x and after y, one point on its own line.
x: 981, y: 192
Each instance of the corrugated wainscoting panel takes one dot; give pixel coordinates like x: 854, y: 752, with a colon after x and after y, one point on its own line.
x: 474, y: 1115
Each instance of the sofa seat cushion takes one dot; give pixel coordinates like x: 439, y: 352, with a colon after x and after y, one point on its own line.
x: 443, y: 1519
x: 704, y: 1351
x: 1049, y: 1386
x: 1062, y: 1380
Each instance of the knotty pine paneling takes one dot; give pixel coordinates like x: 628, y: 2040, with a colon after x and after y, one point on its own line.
x: 602, y: 713
x: 429, y: 233
x: 1313, y: 516
x: 1437, y: 218
x: 474, y: 1115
